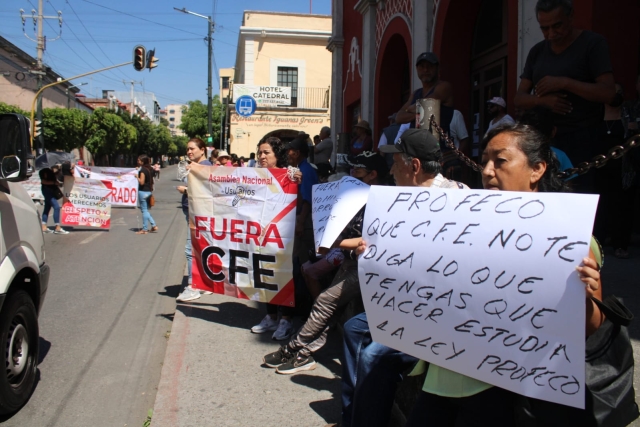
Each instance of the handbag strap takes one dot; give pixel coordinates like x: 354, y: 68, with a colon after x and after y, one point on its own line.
x: 614, y: 310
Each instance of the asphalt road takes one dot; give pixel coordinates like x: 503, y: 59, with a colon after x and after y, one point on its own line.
x: 106, y: 318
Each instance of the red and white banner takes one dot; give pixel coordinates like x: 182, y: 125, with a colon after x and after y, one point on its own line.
x: 123, y: 182
x: 242, y: 227
x: 88, y: 204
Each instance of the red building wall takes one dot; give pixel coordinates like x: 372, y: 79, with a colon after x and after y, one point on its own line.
x: 351, y: 81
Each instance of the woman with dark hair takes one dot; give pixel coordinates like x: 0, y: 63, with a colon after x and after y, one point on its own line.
x: 145, y: 189
x: 514, y: 158
x: 196, y: 153
x: 272, y: 154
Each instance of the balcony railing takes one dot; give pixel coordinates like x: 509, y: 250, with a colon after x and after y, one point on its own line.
x: 309, y: 97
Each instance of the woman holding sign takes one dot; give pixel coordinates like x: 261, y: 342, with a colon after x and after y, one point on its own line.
x: 514, y: 158
x: 196, y: 152
x: 145, y: 188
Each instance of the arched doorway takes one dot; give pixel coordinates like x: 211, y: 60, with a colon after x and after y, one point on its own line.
x: 477, y: 43
x: 488, y: 65
x: 393, y: 73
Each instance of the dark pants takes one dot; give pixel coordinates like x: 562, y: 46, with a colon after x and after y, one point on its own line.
x: 370, y: 375
x: 50, y: 201
x: 490, y: 408
x: 581, y: 145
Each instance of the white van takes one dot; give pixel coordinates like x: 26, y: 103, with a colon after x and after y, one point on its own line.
x: 24, y: 275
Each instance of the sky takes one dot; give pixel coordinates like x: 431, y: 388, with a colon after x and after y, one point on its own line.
x: 97, y: 33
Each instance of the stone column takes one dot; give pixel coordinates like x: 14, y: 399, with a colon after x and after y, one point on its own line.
x: 368, y: 10
x: 422, y: 23
x: 335, y: 46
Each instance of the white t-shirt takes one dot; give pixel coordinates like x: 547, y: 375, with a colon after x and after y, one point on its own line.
x: 506, y: 119
x: 457, y: 128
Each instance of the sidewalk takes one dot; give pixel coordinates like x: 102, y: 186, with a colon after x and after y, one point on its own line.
x: 212, y: 373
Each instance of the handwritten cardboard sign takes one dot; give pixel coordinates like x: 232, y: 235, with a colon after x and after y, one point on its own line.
x: 334, y: 205
x: 482, y: 283
x: 89, y: 203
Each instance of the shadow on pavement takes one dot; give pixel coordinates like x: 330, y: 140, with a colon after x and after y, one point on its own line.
x: 43, y: 349
x: 235, y: 315
x: 171, y: 291
x: 327, y: 409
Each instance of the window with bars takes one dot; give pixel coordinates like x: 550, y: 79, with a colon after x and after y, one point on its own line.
x: 225, y: 83
x: 288, y: 77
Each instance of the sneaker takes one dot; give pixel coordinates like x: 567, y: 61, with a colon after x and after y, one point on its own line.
x: 206, y: 292
x: 297, y: 364
x: 48, y: 230
x: 267, y: 325
x: 284, y: 330
x: 280, y: 357
x: 60, y: 231
x: 189, y: 294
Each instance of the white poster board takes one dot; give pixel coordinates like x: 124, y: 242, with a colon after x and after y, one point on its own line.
x: 482, y: 283
x: 88, y: 203
x: 265, y: 96
x: 334, y: 205
x: 123, y: 182
x: 33, y: 185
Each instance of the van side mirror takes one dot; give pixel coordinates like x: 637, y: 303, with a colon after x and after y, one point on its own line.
x: 15, y: 149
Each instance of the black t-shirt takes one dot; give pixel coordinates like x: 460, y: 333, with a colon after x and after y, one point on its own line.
x: 586, y: 59
x: 148, y: 180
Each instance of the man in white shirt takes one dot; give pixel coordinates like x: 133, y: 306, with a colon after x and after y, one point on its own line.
x: 498, y: 112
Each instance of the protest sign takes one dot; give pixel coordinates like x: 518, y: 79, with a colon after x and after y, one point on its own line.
x: 482, y: 283
x: 243, y: 222
x: 334, y: 205
x: 89, y: 203
x: 123, y: 182
x: 33, y: 185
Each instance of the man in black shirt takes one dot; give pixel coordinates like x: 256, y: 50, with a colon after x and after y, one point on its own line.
x: 570, y: 73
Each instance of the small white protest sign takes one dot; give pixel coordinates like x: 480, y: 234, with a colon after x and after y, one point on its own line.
x: 334, y: 205
x: 482, y: 283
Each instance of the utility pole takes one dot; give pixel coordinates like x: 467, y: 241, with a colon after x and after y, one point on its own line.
x: 210, y: 30
x: 132, y: 82
x: 38, y: 21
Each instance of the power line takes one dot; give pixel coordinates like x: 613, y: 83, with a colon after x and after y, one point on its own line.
x: 94, y: 40
x: 143, y: 19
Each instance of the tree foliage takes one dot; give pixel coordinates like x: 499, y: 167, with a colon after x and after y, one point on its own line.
x: 6, y: 108
x: 64, y: 129
x: 108, y: 133
x: 195, y: 119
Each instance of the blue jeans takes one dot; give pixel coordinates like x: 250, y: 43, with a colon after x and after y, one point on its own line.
x: 49, y: 202
x: 187, y: 248
x: 370, y: 375
x: 143, y: 197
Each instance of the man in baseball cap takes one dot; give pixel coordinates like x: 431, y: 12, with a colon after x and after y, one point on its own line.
x: 428, y: 70
x: 497, y: 108
x: 416, y: 163
x: 417, y: 160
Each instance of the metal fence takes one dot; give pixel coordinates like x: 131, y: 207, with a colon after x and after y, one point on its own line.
x: 309, y: 97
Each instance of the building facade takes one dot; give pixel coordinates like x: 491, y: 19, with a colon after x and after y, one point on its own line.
x: 18, y: 85
x: 173, y: 114
x: 284, y: 50
x: 482, y: 46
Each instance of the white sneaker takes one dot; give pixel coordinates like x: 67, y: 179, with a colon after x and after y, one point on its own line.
x: 284, y: 331
x: 61, y: 231
x: 267, y: 325
x: 47, y: 230
x: 206, y: 292
x: 189, y: 294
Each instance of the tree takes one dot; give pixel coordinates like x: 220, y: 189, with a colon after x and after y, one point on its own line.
x: 6, y: 108
x: 179, y: 146
x: 64, y: 129
x: 109, y: 134
x: 194, y: 119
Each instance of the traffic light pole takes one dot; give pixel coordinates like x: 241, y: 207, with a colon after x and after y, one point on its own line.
x: 210, y: 29
x: 36, y: 97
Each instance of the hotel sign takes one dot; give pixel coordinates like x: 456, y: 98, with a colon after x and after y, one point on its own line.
x: 265, y: 96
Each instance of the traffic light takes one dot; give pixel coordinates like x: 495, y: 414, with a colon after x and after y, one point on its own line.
x: 139, y: 58
x: 37, y: 131
x: 151, y: 59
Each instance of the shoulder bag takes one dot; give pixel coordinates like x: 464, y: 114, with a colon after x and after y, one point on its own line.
x: 609, y: 395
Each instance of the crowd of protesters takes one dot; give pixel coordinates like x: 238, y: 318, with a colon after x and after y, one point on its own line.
x: 568, y: 109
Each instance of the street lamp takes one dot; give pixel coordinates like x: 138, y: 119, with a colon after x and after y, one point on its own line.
x: 209, y: 39
x: 67, y: 92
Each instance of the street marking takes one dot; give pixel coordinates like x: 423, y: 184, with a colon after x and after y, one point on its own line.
x: 90, y: 238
